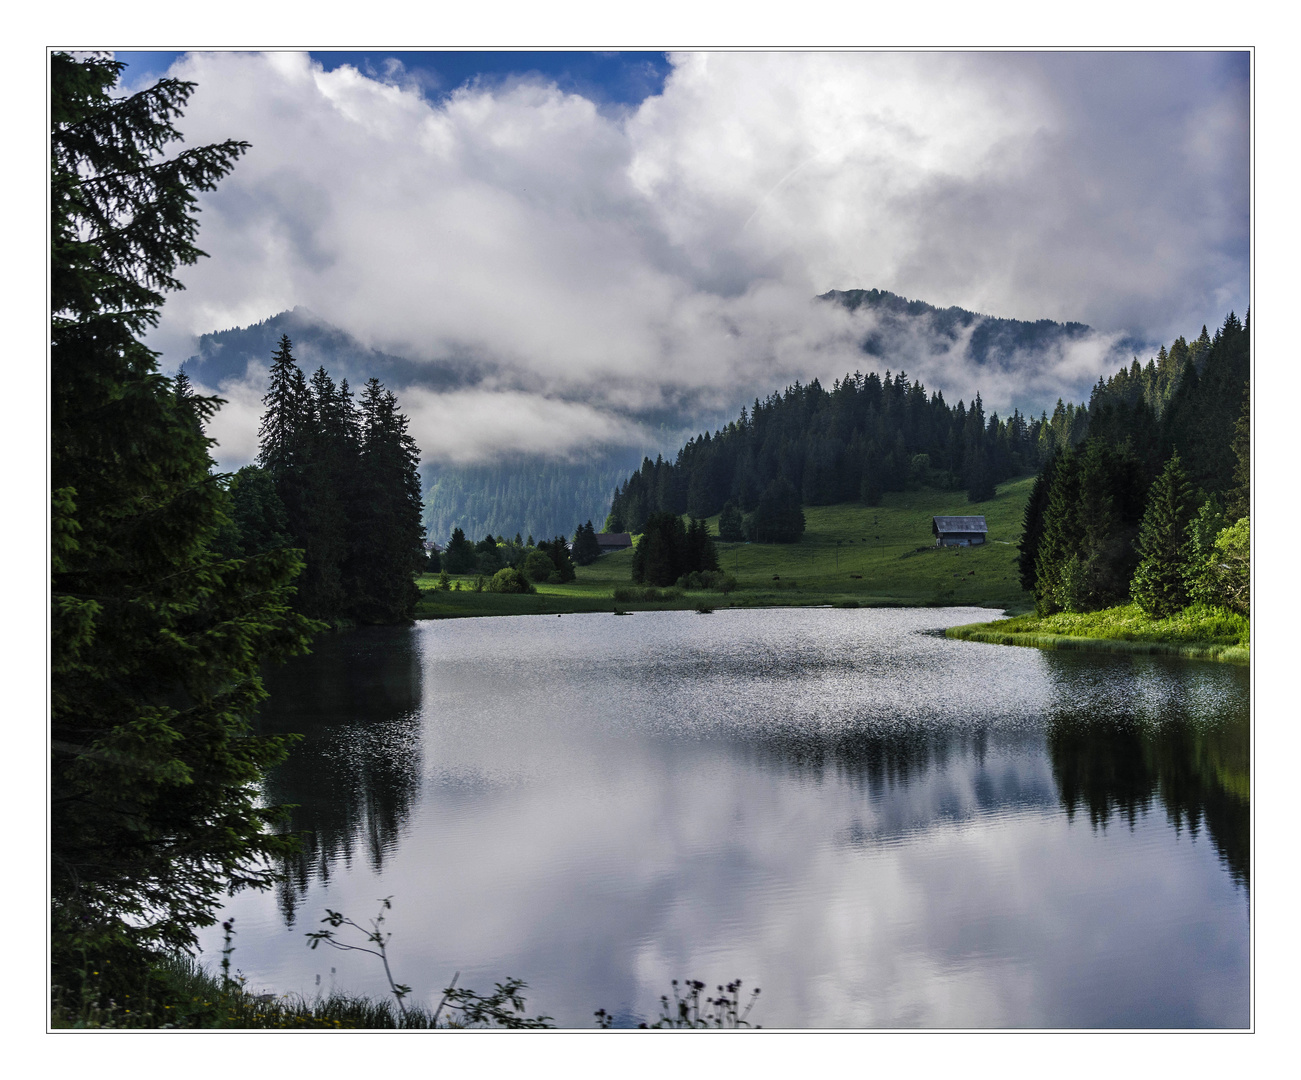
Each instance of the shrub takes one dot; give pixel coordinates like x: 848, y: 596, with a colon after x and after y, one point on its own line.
x: 538, y: 566
x: 1223, y: 578
x: 710, y: 580
x: 509, y: 580
x: 647, y: 593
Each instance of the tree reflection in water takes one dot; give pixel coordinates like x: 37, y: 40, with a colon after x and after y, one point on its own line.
x: 1199, y: 774
x: 355, y: 777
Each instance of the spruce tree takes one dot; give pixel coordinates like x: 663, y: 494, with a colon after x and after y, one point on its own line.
x: 699, y: 554
x: 585, y: 550
x: 156, y: 640
x: 778, y: 519
x: 459, y: 556
x: 1239, y: 499
x: 1059, y: 546
x: 658, y: 557
x: 285, y: 429
x: 1032, y: 525
x: 1159, y: 586
x: 558, y: 552
x: 388, y: 536
x: 731, y: 527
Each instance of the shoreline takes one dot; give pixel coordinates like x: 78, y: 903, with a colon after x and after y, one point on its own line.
x: 552, y: 604
x: 984, y: 633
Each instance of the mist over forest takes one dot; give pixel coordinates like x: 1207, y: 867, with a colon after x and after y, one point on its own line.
x: 544, y: 484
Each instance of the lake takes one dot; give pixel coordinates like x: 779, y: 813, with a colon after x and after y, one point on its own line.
x: 878, y: 826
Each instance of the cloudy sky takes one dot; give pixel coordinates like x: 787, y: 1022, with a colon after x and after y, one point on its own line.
x: 600, y: 236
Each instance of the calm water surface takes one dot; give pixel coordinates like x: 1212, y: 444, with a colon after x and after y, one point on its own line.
x: 878, y: 826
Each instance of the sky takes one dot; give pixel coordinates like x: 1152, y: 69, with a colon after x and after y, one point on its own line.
x: 596, y: 238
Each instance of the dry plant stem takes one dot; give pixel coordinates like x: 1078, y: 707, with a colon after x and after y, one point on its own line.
x: 450, y: 987
x: 374, y: 935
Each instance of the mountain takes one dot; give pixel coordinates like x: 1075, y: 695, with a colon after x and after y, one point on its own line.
x: 533, y: 495
x: 989, y: 339
x: 539, y: 495
x: 227, y: 355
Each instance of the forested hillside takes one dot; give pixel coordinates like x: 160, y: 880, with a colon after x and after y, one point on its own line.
x: 533, y: 496
x: 990, y: 337
x: 1154, y: 503
x: 867, y: 435
x: 228, y: 354
x: 1173, y: 432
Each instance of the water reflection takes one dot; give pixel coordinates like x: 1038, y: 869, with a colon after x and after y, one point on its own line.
x: 1199, y: 775
x: 355, y: 777
x: 880, y: 826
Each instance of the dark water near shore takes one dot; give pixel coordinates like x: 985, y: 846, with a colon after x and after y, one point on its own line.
x: 878, y: 826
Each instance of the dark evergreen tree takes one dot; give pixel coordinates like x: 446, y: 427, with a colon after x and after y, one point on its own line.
x: 585, y: 550
x: 1159, y: 586
x: 388, y: 541
x: 699, y: 553
x: 871, y: 489
x: 658, y: 558
x: 731, y: 525
x: 1057, y: 557
x: 778, y: 519
x: 155, y: 640
x: 459, y: 556
x: 258, y: 522
x: 326, y: 487
x: 1032, y: 525
x: 285, y: 430
x: 1239, y: 496
x: 557, y: 550
x: 1112, y: 490
x: 980, y: 476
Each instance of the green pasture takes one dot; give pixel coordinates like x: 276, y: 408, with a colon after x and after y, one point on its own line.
x: 850, y: 554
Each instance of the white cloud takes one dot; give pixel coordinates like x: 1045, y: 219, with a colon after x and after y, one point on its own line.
x: 625, y: 261
x: 465, y: 426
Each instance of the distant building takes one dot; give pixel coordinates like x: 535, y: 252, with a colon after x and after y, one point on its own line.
x: 959, y: 531
x: 613, y: 541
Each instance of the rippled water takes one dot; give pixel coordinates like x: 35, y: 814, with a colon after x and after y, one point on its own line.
x: 878, y: 826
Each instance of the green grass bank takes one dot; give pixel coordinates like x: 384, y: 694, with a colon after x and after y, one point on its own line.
x: 850, y: 555
x: 1198, y: 632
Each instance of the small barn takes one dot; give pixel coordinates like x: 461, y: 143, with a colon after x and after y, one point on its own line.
x: 959, y: 531
x: 613, y: 541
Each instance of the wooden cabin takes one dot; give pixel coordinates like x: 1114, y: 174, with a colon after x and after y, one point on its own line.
x: 613, y: 541
x: 959, y: 531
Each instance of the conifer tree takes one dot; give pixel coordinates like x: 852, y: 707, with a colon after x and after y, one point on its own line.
x: 284, y: 431
x: 558, y: 552
x: 585, y: 550
x: 388, y: 538
x: 730, y: 524
x: 778, y: 519
x: 699, y: 553
x: 459, y: 556
x: 658, y: 557
x: 1239, y: 500
x: 1159, y: 586
x: 1058, y: 548
x: 155, y: 639
x: 1032, y: 525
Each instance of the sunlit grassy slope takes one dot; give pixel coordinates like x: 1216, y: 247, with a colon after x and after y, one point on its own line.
x: 850, y: 554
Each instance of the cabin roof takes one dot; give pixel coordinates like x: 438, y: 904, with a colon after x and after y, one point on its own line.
x: 971, y: 523
x: 614, y: 539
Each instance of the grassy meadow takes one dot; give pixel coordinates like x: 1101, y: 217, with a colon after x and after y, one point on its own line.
x: 1197, y: 632
x: 849, y: 555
